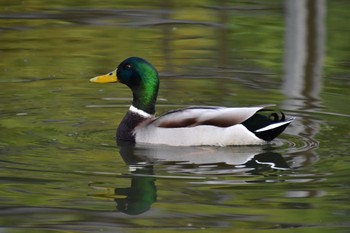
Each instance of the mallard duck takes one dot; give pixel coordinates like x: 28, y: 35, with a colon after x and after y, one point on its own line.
x: 192, y: 126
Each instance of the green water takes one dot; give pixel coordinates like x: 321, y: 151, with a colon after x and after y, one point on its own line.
x: 61, y: 170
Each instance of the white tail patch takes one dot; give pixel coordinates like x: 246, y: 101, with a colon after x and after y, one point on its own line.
x: 273, y: 126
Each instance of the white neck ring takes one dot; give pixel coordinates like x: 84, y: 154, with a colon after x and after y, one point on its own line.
x: 139, y: 111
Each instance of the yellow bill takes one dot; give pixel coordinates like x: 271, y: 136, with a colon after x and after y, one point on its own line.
x: 111, y: 77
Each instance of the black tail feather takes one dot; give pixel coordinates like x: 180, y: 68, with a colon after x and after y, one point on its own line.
x: 259, y: 121
x: 269, y: 135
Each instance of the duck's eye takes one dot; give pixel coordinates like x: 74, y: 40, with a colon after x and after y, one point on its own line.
x: 127, y: 66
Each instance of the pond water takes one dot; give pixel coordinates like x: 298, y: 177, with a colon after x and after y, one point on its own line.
x: 61, y: 170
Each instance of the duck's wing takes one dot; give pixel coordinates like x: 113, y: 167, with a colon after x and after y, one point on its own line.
x: 216, y: 116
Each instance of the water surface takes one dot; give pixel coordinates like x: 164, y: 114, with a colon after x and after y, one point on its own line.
x: 61, y: 170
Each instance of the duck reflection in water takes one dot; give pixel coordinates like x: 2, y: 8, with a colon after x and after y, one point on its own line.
x: 141, y: 159
x: 140, y: 195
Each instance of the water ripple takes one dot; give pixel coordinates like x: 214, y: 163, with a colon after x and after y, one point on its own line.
x: 296, y: 144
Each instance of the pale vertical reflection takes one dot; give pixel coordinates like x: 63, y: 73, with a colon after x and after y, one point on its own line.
x: 295, y: 48
x: 303, y: 62
x: 304, y: 52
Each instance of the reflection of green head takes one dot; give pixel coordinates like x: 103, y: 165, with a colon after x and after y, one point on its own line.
x: 142, y: 78
x: 140, y: 196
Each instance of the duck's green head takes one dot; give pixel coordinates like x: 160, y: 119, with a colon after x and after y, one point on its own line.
x: 141, y: 77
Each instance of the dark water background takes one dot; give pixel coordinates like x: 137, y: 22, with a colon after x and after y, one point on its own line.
x: 61, y: 171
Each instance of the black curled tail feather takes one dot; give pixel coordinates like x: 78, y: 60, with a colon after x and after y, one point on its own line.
x: 259, y: 121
